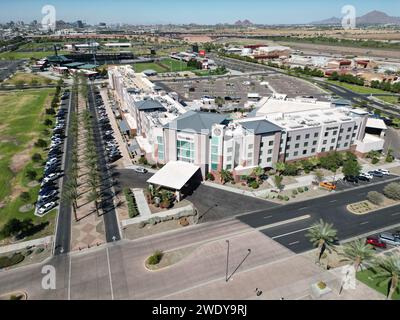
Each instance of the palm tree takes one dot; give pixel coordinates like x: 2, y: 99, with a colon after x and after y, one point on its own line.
x: 94, y: 196
x: 257, y: 173
x: 280, y: 167
x: 357, y: 252
x: 323, y: 236
x: 389, y: 271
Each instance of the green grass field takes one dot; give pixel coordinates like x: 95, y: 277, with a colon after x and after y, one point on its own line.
x: 28, y: 78
x: 140, y: 67
x: 367, y: 90
x: 165, y: 65
x: 14, y: 55
x: 21, y: 124
x: 367, y: 277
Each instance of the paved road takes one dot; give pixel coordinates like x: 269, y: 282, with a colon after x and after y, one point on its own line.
x: 332, y: 209
x: 8, y: 68
x: 63, y: 229
x: 109, y: 215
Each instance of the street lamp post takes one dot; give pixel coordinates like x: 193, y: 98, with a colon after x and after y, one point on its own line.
x: 227, y: 261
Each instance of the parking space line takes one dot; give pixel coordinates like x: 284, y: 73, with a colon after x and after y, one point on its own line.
x: 109, y: 274
x: 365, y: 222
x: 293, y: 243
x: 267, y: 217
x: 396, y: 214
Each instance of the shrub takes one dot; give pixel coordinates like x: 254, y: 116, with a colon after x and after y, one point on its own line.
x: 280, y: 197
x: 300, y: 189
x: 286, y: 198
x: 131, y: 202
x: 31, y: 174
x: 306, y: 189
x: 375, y: 161
x: 39, y: 250
x: 40, y: 143
x: 321, y: 285
x: 155, y: 258
x: 375, y: 197
x: 11, y: 261
x: 210, y: 176
x: 392, y: 191
x: 25, y: 196
x: 294, y: 192
x: 36, y: 157
x: 143, y: 160
x: 254, y: 184
x: 141, y: 224
x: 48, y: 122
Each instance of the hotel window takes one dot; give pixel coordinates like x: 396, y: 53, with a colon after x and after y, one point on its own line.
x: 326, y: 134
x: 289, y: 139
x: 346, y: 144
x: 306, y: 144
x: 331, y: 148
x: 335, y: 132
x: 313, y: 150
x: 298, y: 137
x: 271, y: 143
x: 341, y: 130
x: 316, y: 135
x: 250, y: 155
x: 349, y: 129
x: 185, y: 150
x: 269, y: 159
x: 348, y: 137
x: 250, y: 146
x: 160, y: 143
x: 297, y: 145
x: 304, y: 151
x: 333, y: 140
x: 270, y: 151
x: 229, y: 159
x: 214, y: 149
x: 295, y: 154
x: 314, y: 142
x: 307, y: 136
x: 229, y: 150
x: 324, y: 142
x: 214, y: 153
x: 229, y: 167
x: 323, y: 150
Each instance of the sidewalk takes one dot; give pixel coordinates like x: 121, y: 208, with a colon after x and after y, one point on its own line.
x: 141, y: 202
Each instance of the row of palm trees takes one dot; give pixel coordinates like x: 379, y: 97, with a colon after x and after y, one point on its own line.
x: 84, y: 121
x: 387, y: 270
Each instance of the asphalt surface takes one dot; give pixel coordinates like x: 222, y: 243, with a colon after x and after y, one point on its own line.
x: 109, y: 214
x: 63, y: 230
x: 331, y: 208
x: 212, y: 204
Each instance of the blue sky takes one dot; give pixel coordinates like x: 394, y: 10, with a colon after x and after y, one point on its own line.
x: 187, y: 11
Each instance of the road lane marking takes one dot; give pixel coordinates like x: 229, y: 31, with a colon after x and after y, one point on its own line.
x: 396, y: 214
x: 365, y: 222
x: 267, y: 217
x: 293, y: 243
x: 109, y: 274
x: 289, y: 233
x: 280, y: 223
x: 304, y: 208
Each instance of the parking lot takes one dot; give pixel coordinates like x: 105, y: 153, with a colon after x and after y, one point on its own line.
x: 227, y: 88
x: 294, y: 87
x: 49, y: 193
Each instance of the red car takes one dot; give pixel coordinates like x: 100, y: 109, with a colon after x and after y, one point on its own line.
x: 374, y: 241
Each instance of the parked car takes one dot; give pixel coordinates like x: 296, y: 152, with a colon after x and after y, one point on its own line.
x: 389, y: 238
x: 328, y: 185
x: 384, y: 172
x: 51, y: 177
x: 367, y: 175
x: 49, y: 195
x: 47, y: 207
x: 51, y: 161
x: 363, y: 178
x: 376, y: 173
x: 376, y: 242
x: 47, y: 189
x: 351, y: 179
x: 140, y: 170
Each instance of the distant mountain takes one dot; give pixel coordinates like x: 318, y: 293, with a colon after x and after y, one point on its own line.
x: 244, y: 23
x: 373, y: 17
